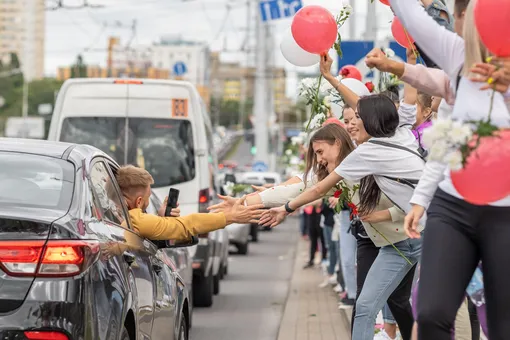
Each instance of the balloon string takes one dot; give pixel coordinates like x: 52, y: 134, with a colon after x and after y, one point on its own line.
x: 413, y: 49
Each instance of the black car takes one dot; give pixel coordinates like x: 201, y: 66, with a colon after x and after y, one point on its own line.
x: 71, y: 264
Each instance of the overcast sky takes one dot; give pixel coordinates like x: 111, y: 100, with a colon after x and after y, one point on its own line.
x: 70, y: 32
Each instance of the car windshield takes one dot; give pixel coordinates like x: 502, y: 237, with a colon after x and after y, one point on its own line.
x: 35, y: 181
x: 164, y: 147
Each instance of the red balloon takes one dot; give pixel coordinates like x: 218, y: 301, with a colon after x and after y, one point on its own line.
x: 485, y: 177
x: 350, y: 71
x: 492, y: 20
x: 385, y: 2
x: 314, y: 29
x: 400, y: 34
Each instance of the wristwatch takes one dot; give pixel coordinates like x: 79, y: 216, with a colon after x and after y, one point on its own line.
x: 288, y: 209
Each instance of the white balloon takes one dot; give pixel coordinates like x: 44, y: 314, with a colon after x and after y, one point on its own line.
x: 295, y: 54
x: 356, y: 86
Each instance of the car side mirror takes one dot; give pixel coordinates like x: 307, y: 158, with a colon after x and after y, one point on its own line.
x: 182, y: 244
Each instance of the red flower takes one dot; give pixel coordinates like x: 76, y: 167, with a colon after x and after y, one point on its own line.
x: 370, y: 86
x: 354, y: 208
x: 337, y: 193
x: 344, y: 72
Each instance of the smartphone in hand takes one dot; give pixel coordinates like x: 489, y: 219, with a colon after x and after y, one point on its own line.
x: 173, y: 198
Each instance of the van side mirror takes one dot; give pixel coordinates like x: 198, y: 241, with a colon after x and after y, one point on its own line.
x: 182, y: 244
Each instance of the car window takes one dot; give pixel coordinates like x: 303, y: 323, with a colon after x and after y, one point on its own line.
x: 35, y: 181
x: 107, y: 195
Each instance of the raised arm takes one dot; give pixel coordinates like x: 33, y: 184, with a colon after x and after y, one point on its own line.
x: 350, y: 98
x: 444, y: 47
x: 410, y: 93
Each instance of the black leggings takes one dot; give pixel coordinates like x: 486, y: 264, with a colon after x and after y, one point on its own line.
x: 313, y: 221
x: 458, y: 235
x: 398, y: 301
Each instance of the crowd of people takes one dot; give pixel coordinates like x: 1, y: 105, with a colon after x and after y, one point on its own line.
x: 405, y: 241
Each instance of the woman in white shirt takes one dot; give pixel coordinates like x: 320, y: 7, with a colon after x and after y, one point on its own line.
x: 386, y: 162
x: 459, y: 234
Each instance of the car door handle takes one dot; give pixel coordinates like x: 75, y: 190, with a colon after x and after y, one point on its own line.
x: 129, y: 258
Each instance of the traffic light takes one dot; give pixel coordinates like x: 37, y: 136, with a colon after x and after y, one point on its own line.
x: 253, y: 150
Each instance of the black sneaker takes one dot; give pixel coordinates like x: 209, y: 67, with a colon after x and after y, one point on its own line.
x: 308, y: 265
x: 346, y: 303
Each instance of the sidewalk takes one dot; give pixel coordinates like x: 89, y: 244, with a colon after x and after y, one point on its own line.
x: 311, y: 313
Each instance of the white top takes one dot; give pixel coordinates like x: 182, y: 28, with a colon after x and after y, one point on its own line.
x: 446, y: 49
x: 378, y: 160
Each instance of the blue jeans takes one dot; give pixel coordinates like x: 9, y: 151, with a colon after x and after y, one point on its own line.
x: 348, y: 246
x: 302, y: 225
x: 386, y: 273
x: 387, y: 316
x: 332, y: 248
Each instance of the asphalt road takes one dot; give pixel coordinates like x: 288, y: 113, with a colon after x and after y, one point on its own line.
x: 243, y: 154
x: 253, y: 295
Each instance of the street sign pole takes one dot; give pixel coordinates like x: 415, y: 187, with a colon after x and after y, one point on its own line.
x: 259, y: 107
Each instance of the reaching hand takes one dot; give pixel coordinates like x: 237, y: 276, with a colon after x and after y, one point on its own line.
x: 376, y: 58
x: 240, y: 213
x: 273, y: 217
x: 497, y: 78
x: 325, y: 65
x: 258, y: 189
x: 333, y: 201
x: 227, y: 203
x: 412, y: 219
x: 175, y: 212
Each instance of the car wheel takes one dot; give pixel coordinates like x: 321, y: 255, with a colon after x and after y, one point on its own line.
x: 254, y: 233
x: 203, y: 291
x: 125, y: 334
x: 217, y: 283
x: 183, y: 329
x: 243, y: 248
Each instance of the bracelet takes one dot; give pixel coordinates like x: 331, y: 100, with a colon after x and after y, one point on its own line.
x: 288, y: 209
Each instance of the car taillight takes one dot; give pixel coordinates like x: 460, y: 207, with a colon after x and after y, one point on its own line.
x: 203, y: 200
x: 31, y: 335
x: 55, y: 258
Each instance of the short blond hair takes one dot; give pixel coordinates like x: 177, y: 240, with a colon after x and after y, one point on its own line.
x: 132, y: 180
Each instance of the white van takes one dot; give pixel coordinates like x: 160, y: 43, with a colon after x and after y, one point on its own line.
x: 160, y: 125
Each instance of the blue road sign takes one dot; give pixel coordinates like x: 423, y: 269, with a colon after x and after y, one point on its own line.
x: 180, y: 68
x: 259, y: 166
x: 278, y: 9
x: 354, y: 52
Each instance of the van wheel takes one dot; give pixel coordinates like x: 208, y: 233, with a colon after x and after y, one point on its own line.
x: 216, y: 284
x: 203, y: 291
x: 183, y: 329
x: 243, y: 248
x: 125, y: 334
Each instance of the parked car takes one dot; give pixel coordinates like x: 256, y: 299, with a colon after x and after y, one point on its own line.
x: 261, y: 177
x: 239, y: 236
x: 160, y: 125
x: 71, y: 264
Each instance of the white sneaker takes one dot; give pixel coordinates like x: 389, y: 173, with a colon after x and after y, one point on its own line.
x: 324, y: 283
x: 338, y: 288
x: 382, y: 335
x: 332, y: 280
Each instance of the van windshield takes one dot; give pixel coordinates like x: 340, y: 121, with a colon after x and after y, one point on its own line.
x: 162, y: 146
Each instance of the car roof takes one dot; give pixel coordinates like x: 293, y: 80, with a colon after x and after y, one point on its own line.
x: 50, y: 148
x: 35, y: 146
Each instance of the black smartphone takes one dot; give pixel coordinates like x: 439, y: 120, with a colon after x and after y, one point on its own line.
x: 173, y: 198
